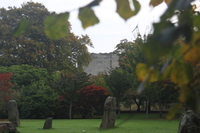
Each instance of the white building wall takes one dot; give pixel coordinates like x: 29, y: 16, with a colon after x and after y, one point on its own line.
x: 101, y: 63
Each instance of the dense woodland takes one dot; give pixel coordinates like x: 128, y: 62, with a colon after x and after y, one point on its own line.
x: 44, y: 73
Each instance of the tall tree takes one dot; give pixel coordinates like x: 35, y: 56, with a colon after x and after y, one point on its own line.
x: 130, y: 53
x: 67, y: 86
x: 118, y: 82
x: 166, y: 94
x: 29, y: 44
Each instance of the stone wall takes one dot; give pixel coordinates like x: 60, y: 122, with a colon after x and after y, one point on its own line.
x: 101, y: 63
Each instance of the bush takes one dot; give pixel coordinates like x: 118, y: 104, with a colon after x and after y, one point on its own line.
x: 38, y: 100
x: 91, y: 101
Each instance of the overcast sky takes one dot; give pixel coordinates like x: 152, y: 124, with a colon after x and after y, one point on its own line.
x: 111, y: 29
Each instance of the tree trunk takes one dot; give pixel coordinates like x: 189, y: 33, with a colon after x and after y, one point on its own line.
x: 70, y: 110
x: 160, y: 113
x: 160, y: 110
x: 147, y: 109
x: 138, y: 104
x: 149, y: 106
x: 138, y: 107
x: 118, y: 109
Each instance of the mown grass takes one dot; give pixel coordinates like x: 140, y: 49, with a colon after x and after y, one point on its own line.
x: 126, y: 124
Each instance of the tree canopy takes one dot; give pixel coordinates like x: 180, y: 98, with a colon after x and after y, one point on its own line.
x: 118, y: 82
x: 68, y: 84
x: 25, y: 75
x: 23, y: 40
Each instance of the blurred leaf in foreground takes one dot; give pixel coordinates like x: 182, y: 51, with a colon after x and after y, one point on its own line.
x: 21, y: 28
x: 87, y: 17
x: 155, y: 2
x: 56, y: 26
x: 181, y: 73
x: 124, y: 9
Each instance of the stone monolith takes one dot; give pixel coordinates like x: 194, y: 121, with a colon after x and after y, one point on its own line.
x: 109, y: 114
x: 189, y: 122
x: 13, y: 113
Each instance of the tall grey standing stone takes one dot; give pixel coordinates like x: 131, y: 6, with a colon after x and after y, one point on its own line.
x: 109, y: 114
x: 13, y: 114
x: 48, y: 123
x: 189, y: 122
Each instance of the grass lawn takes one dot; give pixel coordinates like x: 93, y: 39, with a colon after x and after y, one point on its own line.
x: 135, y: 123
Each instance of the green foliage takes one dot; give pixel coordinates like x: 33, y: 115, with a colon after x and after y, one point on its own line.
x: 67, y: 85
x: 98, y: 80
x: 79, y: 53
x: 24, y: 75
x: 162, y: 94
x: 132, y: 60
x: 118, y: 82
x: 130, y: 54
x: 37, y: 100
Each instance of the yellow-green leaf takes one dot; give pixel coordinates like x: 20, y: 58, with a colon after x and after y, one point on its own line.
x: 166, y: 69
x: 21, y: 28
x: 146, y: 75
x: 124, y: 9
x: 189, y: 97
x: 174, y: 109
x: 153, y: 75
x: 143, y: 84
x: 87, y: 17
x: 137, y: 6
x: 181, y: 73
x: 56, y: 26
x: 155, y: 2
x: 141, y: 71
x: 191, y: 53
x: 184, y: 94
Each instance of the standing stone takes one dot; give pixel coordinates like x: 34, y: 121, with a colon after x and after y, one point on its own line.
x: 13, y: 114
x: 189, y: 122
x: 48, y: 123
x: 109, y: 114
